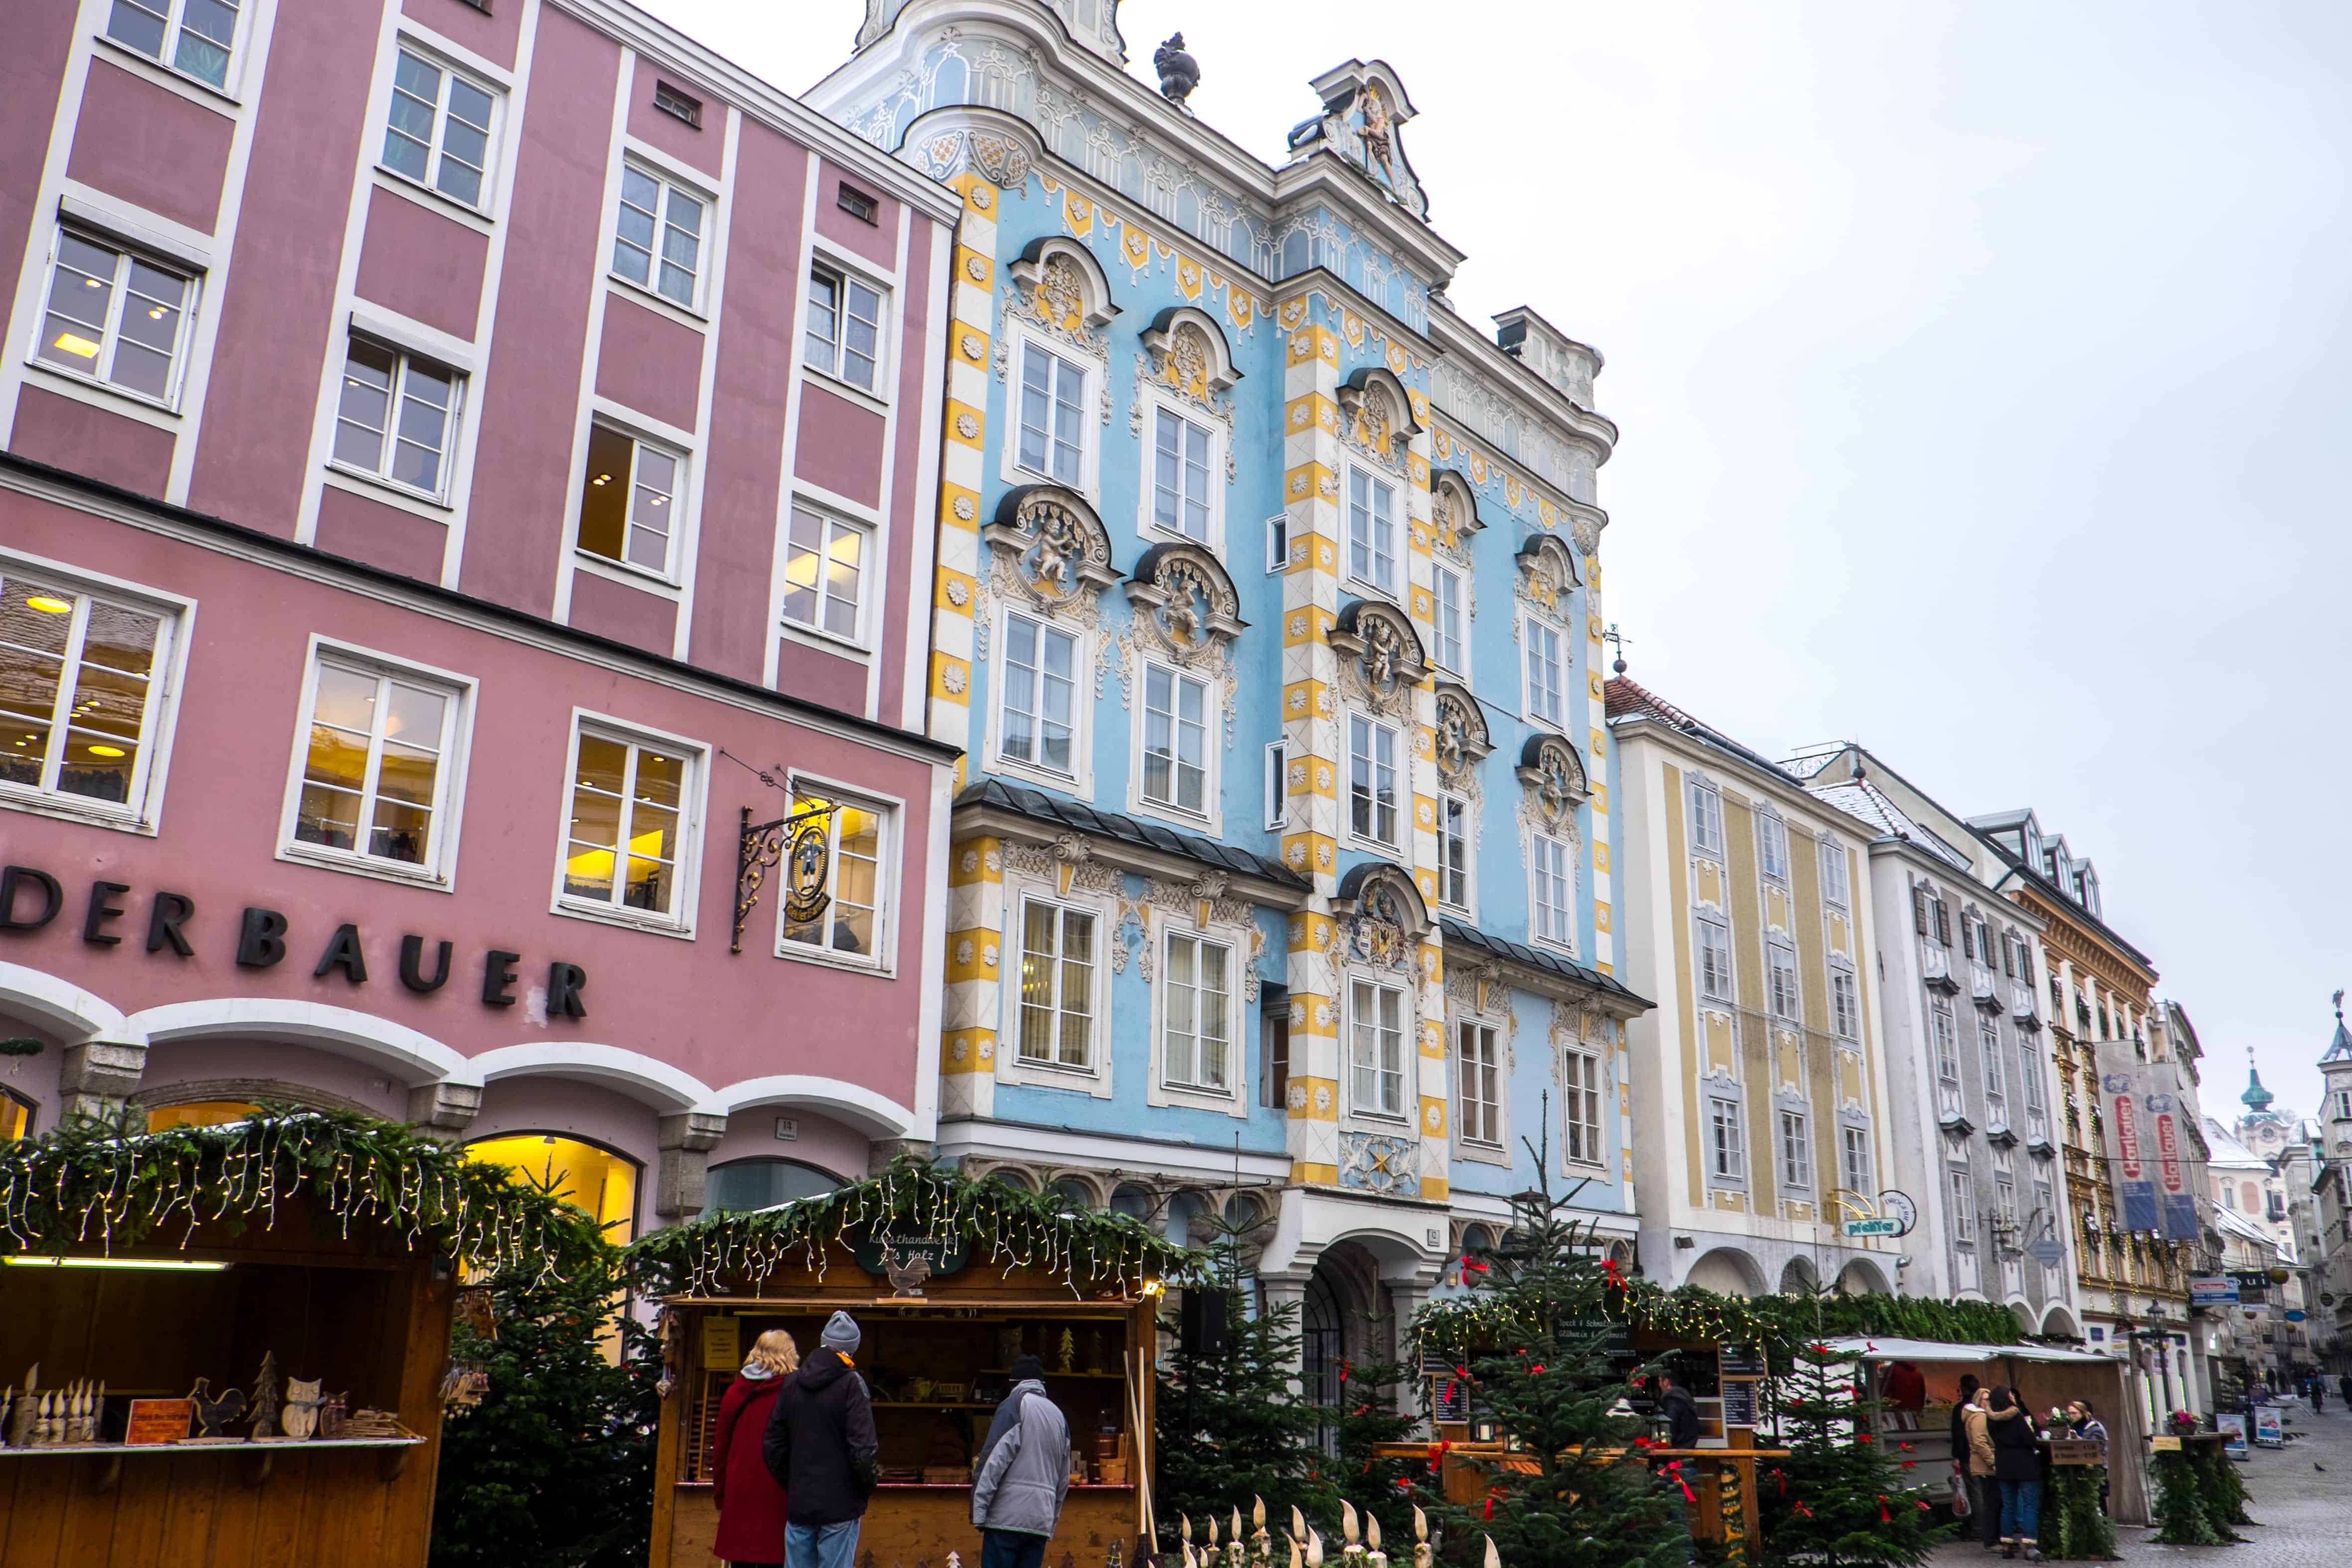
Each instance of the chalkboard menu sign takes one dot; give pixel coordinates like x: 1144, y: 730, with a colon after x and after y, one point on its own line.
x: 1738, y: 1361
x: 1740, y: 1403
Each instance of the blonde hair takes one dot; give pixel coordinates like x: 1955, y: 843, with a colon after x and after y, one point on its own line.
x: 775, y: 1352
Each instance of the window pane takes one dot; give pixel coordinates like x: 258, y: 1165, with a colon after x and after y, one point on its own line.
x: 842, y: 569
x: 595, y: 826
x: 408, y: 127
x: 804, y: 563
x: 364, y: 411
x: 823, y: 321
x: 206, y: 29
x: 423, y: 429
x: 81, y: 296
x: 650, y: 509
x: 633, y: 238
x: 139, y: 26
x: 603, y: 499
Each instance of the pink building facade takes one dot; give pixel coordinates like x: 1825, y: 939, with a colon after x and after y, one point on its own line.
x: 463, y: 460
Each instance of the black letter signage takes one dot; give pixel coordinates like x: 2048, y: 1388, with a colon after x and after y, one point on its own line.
x: 171, y: 912
x: 343, y: 953
x: 412, y: 966
x: 53, y: 897
x: 564, y: 983
x: 498, y: 977
x: 261, y: 939
x: 101, y: 912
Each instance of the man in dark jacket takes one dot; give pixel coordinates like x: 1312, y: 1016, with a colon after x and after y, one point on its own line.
x: 820, y: 1445
x: 1680, y: 1411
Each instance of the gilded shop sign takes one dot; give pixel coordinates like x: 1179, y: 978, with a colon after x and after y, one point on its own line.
x: 32, y: 899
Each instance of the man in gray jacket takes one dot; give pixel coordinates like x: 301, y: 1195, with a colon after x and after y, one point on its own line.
x: 1025, y: 1473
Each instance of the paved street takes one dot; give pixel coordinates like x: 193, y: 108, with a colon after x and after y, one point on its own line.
x: 2306, y: 1514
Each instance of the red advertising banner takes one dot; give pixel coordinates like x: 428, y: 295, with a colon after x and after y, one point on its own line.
x: 2167, y: 1149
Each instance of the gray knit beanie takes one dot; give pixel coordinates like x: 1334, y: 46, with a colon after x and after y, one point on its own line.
x: 841, y: 1333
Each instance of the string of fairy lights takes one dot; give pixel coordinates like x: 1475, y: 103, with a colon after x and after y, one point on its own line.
x: 1086, y: 1252
x: 107, y: 1184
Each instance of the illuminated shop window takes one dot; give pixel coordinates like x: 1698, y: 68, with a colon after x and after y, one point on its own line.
x: 16, y: 1116
x: 200, y: 1113
x: 79, y: 692
x: 595, y: 1181
x: 851, y: 924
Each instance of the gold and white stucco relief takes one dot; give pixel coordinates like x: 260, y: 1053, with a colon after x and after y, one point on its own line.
x: 1720, y: 1042
x: 1776, y: 908
x: 1706, y: 881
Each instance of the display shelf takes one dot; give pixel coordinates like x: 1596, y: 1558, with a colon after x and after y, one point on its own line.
x: 393, y: 1452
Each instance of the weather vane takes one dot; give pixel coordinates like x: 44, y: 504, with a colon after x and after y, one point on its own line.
x: 1621, y: 642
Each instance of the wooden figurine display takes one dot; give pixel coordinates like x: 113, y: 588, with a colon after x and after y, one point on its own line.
x: 303, y: 1403
x: 1069, y: 1351
x: 265, y: 1399
x: 212, y: 1415
x: 24, y: 1410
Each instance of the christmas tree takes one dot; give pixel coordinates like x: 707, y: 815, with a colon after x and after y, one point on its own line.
x: 1574, y: 1493
x: 1368, y: 1418
x: 1840, y: 1499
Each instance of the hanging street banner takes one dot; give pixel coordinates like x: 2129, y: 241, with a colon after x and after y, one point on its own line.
x: 2212, y: 1290
x: 2147, y: 1144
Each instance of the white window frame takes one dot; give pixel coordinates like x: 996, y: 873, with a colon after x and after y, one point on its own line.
x: 439, y: 870
x: 174, y: 13
x: 1536, y: 634
x: 141, y: 813
x: 693, y: 798
x: 1706, y: 816
x: 1278, y: 543
x: 1583, y: 1105
x: 110, y: 332
x: 404, y: 362
x: 1156, y: 405
x: 1944, y: 1036
x: 1772, y: 846
x: 1853, y: 1147
x: 1541, y: 847
x: 827, y: 269
x: 1457, y: 867
x: 1727, y: 1142
x: 1090, y: 382
x: 705, y: 240
x: 1440, y: 575
x: 1996, y: 1075
x: 833, y: 522
x: 1783, y: 994
x: 1837, y: 889
x: 1212, y: 698
x: 1079, y: 781
x: 1795, y: 1151
x: 1479, y: 1121
x: 890, y: 814
x: 437, y: 151
x: 672, y: 572
x: 1961, y: 1198
x: 1049, y: 1070
x: 1402, y: 1074
x: 1163, y: 996
x: 1728, y: 992
x: 1278, y: 786
x: 1374, y: 729
x: 1380, y: 532
x: 1845, y: 1003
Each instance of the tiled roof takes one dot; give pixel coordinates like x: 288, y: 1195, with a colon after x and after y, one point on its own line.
x: 1079, y: 817
x: 1627, y: 699
x: 1471, y: 938
x: 1860, y: 799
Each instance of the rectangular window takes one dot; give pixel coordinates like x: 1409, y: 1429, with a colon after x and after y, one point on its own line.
x: 1944, y: 1031
x: 1782, y: 995
x: 1796, y: 1153
x: 1989, y: 1039
x: 658, y: 237
x: 1960, y: 1192
x: 1845, y: 1004
x: 677, y: 105
x: 1581, y: 1100
x: 1276, y: 803
x: 1277, y: 541
x: 439, y: 133
x: 1715, y: 978
x: 1175, y: 740
x: 824, y: 572
x: 628, y: 505
x: 1377, y: 1058
x: 1179, y: 475
x: 1454, y: 851
x: 1057, y: 984
x: 1478, y: 1078
x: 1372, y: 531
x: 1273, y: 1078
x: 1372, y: 780
x: 1707, y: 819
x: 2029, y: 1075
x: 1555, y: 882
x: 80, y: 692
x: 376, y: 776
x: 1053, y: 415
x: 855, y: 202
x: 854, y: 924
x: 1834, y: 888
x: 1446, y: 584
x: 1039, y: 688
x: 1942, y: 914
x: 1772, y: 841
x: 191, y: 36
x: 1857, y: 1149
x: 844, y: 329
x: 396, y: 418
x: 115, y: 317
x: 1195, y: 1045
x: 624, y: 835
x: 1727, y: 1145
x: 1547, y: 677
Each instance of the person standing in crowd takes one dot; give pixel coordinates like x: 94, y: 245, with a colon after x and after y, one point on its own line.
x: 2087, y: 1425
x: 2017, y: 1465
x: 821, y: 1449
x: 1972, y: 1451
x: 1680, y: 1410
x: 750, y: 1504
x: 1025, y: 1473
x: 2318, y: 1394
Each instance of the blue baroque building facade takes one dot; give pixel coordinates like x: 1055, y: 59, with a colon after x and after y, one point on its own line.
x: 1268, y: 609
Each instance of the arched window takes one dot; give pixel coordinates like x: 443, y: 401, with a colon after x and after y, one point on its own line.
x: 763, y: 1183
x: 1075, y: 1192
x: 596, y: 1181
x: 16, y: 1116
x: 1133, y: 1202
x: 199, y: 1113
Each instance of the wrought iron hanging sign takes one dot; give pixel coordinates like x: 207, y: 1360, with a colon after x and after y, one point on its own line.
x: 809, y: 871
x: 807, y: 837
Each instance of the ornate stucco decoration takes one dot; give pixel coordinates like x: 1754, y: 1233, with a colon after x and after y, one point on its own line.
x: 1554, y: 783
x: 1067, y: 862
x: 1380, y: 1163
x: 1463, y: 741
x: 1185, y: 602
x: 1454, y: 518
x: 1364, y: 111
x: 1058, y: 287
x: 1001, y: 158
x: 1379, y: 918
x: 1186, y: 357
x: 1051, y: 549
x: 1206, y: 901
x: 1381, y: 657
x: 1376, y: 417
x: 1547, y: 576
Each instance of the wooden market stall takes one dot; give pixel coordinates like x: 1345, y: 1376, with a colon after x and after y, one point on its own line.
x: 949, y: 1282
x: 239, y: 1359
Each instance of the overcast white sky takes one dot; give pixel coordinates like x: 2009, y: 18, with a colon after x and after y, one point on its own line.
x: 1984, y: 380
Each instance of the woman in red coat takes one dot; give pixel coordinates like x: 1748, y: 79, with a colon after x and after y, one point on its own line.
x: 751, y: 1503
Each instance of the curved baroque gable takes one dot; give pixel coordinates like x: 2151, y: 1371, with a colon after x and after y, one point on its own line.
x: 1383, y: 658
x: 1051, y: 548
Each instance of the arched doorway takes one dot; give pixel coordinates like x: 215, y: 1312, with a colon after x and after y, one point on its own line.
x: 600, y: 1182
x: 1798, y: 1278
x: 763, y: 1183
x: 1323, y: 1345
x: 1728, y: 1272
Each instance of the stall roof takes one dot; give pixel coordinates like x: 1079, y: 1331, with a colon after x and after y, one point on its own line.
x: 1879, y: 1347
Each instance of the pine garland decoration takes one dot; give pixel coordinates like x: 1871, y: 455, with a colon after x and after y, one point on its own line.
x: 2073, y: 1527
x: 2180, y: 1512
x: 2220, y: 1487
